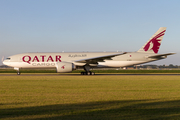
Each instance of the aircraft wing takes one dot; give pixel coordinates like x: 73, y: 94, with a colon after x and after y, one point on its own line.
x: 161, y: 55
x: 95, y: 60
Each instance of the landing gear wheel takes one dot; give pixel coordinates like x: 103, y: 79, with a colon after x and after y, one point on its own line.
x: 83, y: 73
x: 87, y: 73
x: 18, y: 73
x: 92, y: 73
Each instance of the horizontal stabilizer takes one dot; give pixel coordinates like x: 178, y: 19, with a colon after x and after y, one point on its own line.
x: 161, y: 55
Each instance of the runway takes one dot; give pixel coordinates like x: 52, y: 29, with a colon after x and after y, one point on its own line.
x: 97, y: 74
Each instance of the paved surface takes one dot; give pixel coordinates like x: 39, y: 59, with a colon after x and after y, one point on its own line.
x: 48, y: 74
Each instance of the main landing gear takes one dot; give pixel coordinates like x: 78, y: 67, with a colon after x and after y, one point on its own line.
x: 87, y: 71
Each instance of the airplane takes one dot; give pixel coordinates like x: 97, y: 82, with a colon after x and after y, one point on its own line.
x: 67, y: 62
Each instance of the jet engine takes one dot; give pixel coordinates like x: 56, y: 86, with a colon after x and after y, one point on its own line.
x: 64, y: 67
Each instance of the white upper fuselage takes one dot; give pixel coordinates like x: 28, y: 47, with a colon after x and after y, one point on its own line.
x: 49, y: 60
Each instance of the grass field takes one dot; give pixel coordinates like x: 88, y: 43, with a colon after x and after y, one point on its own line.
x: 89, y: 97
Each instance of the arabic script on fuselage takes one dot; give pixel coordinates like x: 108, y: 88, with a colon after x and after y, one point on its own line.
x: 77, y: 55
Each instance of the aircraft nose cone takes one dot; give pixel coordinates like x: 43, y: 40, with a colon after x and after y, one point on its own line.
x: 5, y: 62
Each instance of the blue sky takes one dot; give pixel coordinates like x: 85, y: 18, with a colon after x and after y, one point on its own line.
x: 87, y: 25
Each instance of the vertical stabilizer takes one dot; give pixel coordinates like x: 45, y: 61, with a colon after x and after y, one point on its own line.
x: 153, y: 44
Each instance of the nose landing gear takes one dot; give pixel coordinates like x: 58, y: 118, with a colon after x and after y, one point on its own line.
x: 18, y: 72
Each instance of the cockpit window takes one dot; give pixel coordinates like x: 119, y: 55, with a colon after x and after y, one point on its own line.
x: 8, y: 58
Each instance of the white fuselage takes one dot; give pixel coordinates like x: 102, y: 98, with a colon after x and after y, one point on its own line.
x: 49, y: 60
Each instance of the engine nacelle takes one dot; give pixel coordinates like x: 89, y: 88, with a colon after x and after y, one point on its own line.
x: 64, y: 67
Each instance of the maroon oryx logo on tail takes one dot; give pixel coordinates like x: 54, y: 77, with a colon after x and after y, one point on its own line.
x: 154, y: 43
